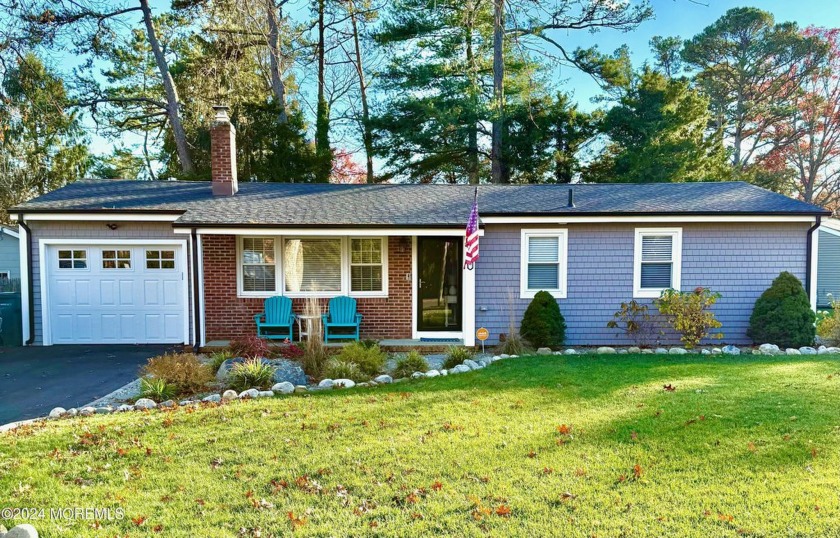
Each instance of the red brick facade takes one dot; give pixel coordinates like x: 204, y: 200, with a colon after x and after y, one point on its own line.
x: 228, y: 317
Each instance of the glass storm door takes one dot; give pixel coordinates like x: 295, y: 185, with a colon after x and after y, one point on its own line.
x: 439, y: 268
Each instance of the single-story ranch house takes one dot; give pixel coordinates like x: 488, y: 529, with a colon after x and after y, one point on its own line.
x: 192, y: 262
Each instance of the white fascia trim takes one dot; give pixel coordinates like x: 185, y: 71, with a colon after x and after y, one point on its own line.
x: 10, y: 232
x: 25, y: 285
x: 830, y: 224
x: 328, y: 232
x: 102, y: 217
x: 829, y: 230
x: 642, y: 219
x: 676, y: 260
x: 46, y: 335
x: 563, y: 264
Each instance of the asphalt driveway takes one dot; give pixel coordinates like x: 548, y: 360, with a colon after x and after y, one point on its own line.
x: 33, y: 380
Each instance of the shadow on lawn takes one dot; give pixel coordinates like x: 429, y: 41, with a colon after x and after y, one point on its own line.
x: 593, y: 377
x: 720, y: 404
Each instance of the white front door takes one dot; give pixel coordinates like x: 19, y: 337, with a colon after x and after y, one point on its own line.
x: 115, y: 293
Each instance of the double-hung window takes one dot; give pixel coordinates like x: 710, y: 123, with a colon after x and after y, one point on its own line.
x: 366, y: 265
x: 259, y: 272
x: 543, y: 263
x: 657, y: 260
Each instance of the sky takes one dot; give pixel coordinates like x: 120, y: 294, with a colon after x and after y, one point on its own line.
x: 683, y: 18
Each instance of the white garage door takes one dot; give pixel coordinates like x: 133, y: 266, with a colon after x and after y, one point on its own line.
x: 120, y: 293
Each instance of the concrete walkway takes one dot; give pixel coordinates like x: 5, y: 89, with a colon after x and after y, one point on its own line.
x: 33, y: 380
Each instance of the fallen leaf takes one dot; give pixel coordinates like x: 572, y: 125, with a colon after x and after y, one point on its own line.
x: 296, y: 521
x: 503, y: 510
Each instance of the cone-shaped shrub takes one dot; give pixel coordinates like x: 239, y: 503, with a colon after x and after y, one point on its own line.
x: 543, y: 324
x: 783, y: 315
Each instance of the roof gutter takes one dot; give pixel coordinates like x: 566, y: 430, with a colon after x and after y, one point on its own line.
x: 809, y: 260
x: 30, y: 298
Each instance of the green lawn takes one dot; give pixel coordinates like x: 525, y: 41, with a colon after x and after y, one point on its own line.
x: 742, y: 446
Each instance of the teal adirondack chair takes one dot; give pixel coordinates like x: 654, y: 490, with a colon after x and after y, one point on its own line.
x: 342, y: 315
x: 277, y: 315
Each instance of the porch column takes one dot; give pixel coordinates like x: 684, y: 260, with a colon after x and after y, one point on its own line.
x: 469, y: 307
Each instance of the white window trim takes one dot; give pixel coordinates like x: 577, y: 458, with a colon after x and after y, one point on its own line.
x: 5, y: 274
x: 562, y: 235
x: 116, y: 259
x: 278, y: 280
x: 676, y: 257
x: 280, y: 284
x: 348, y: 258
x: 73, y: 259
x: 160, y: 260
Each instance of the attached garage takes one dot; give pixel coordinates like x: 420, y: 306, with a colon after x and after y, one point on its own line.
x: 114, y: 293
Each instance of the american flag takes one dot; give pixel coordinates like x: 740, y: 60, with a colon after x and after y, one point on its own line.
x: 471, y: 244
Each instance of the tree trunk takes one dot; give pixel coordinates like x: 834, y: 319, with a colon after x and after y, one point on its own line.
x: 172, y: 102
x: 472, y: 123
x: 367, y: 132
x: 278, y: 87
x: 497, y: 166
x: 322, y: 119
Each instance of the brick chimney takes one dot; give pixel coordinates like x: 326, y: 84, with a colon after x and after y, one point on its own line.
x: 223, y: 154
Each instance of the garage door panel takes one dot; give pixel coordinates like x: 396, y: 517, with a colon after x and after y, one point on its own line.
x: 173, y: 326
x: 128, y: 327
x: 83, y: 327
x: 151, y: 292
x: 107, y: 292
x: 98, y: 304
x: 63, y: 330
x: 108, y: 324
x: 62, y: 292
x: 154, y: 327
x: 127, y: 292
x: 82, y: 289
x: 171, y: 292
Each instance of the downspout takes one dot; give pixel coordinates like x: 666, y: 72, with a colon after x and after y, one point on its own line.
x: 809, y: 257
x: 30, y: 297
x: 196, y: 291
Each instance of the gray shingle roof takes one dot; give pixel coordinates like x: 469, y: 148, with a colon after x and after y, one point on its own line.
x: 298, y: 204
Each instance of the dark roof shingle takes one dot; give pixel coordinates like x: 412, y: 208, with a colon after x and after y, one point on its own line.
x: 299, y: 204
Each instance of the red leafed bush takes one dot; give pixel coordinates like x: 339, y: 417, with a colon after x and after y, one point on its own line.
x: 250, y: 347
x: 290, y: 351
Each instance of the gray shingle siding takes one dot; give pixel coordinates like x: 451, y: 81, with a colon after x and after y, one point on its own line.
x: 738, y: 260
x: 83, y: 231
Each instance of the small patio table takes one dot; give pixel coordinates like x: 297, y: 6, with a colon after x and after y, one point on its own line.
x: 309, y: 320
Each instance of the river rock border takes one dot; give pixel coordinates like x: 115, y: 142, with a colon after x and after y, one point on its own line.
x: 284, y: 388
